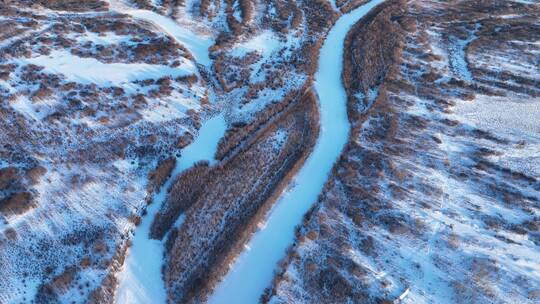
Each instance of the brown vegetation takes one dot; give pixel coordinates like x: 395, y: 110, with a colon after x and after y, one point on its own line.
x: 8, y: 176
x: 371, y: 48
x: 346, y: 6
x: 230, y: 207
x: 35, y: 174
x: 235, y: 138
x: 62, y: 138
x: 384, y: 170
x: 17, y: 203
x: 69, y: 5
x: 186, y: 189
x: 159, y: 176
x: 106, y: 291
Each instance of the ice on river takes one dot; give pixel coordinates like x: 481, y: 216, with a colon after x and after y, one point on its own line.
x: 253, y: 270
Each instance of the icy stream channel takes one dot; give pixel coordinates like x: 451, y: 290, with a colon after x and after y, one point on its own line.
x: 140, y: 279
x: 253, y: 270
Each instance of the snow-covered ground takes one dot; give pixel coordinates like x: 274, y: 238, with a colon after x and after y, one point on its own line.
x: 512, y: 118
x: 265, y: 43
x: 83, y: 203
x: 252, y: 272
x: 194, y: 36
x: 94, y: 100
x: 91, y: 70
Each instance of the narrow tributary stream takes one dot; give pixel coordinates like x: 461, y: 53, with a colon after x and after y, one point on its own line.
x: 140, y: 280
x: 253, y: 270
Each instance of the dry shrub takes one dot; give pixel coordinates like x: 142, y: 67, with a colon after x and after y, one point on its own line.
x: 106, y: 291
x: 431, y: 76
x: 46, y: 294
x: 74, y: 5
x: 184, y: 140
x: 204, y: 7
x: 312, y: 235
x: 157, y: 177
x: 319, y: 15
x: 139, y: 101
x: 189, y: 79
x: 10, y: 233
x: 358, y: 219
x: 367, y: 245
x: 34, y: 174
x: 236, y: 137
x: 8, y: 176
x: 371, y: 48
x: 234, y: 25
x: 144, y: 4
x: 229, y: 208
x: 17, y: 203
x: 85, y: 262
x: 100, y: 247
x: 335, y: 285
x: 4, y: 76
x: 184, y: 192
x: 135, y: 219
x: 9, y: 30
x: 351, y: 5
x: 247, y: 10
x: 42, y: 93
x: 63, y: 280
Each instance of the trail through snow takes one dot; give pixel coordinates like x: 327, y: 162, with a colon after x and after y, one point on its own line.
x: 253, y: 270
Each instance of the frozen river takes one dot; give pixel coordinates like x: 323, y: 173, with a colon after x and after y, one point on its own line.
x: 254, y: 268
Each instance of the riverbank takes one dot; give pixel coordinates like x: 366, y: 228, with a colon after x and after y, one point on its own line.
x: 253, y: 270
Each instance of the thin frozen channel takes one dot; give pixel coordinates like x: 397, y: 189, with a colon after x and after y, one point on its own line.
x: 253, y: 270
x: 140, y: 278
